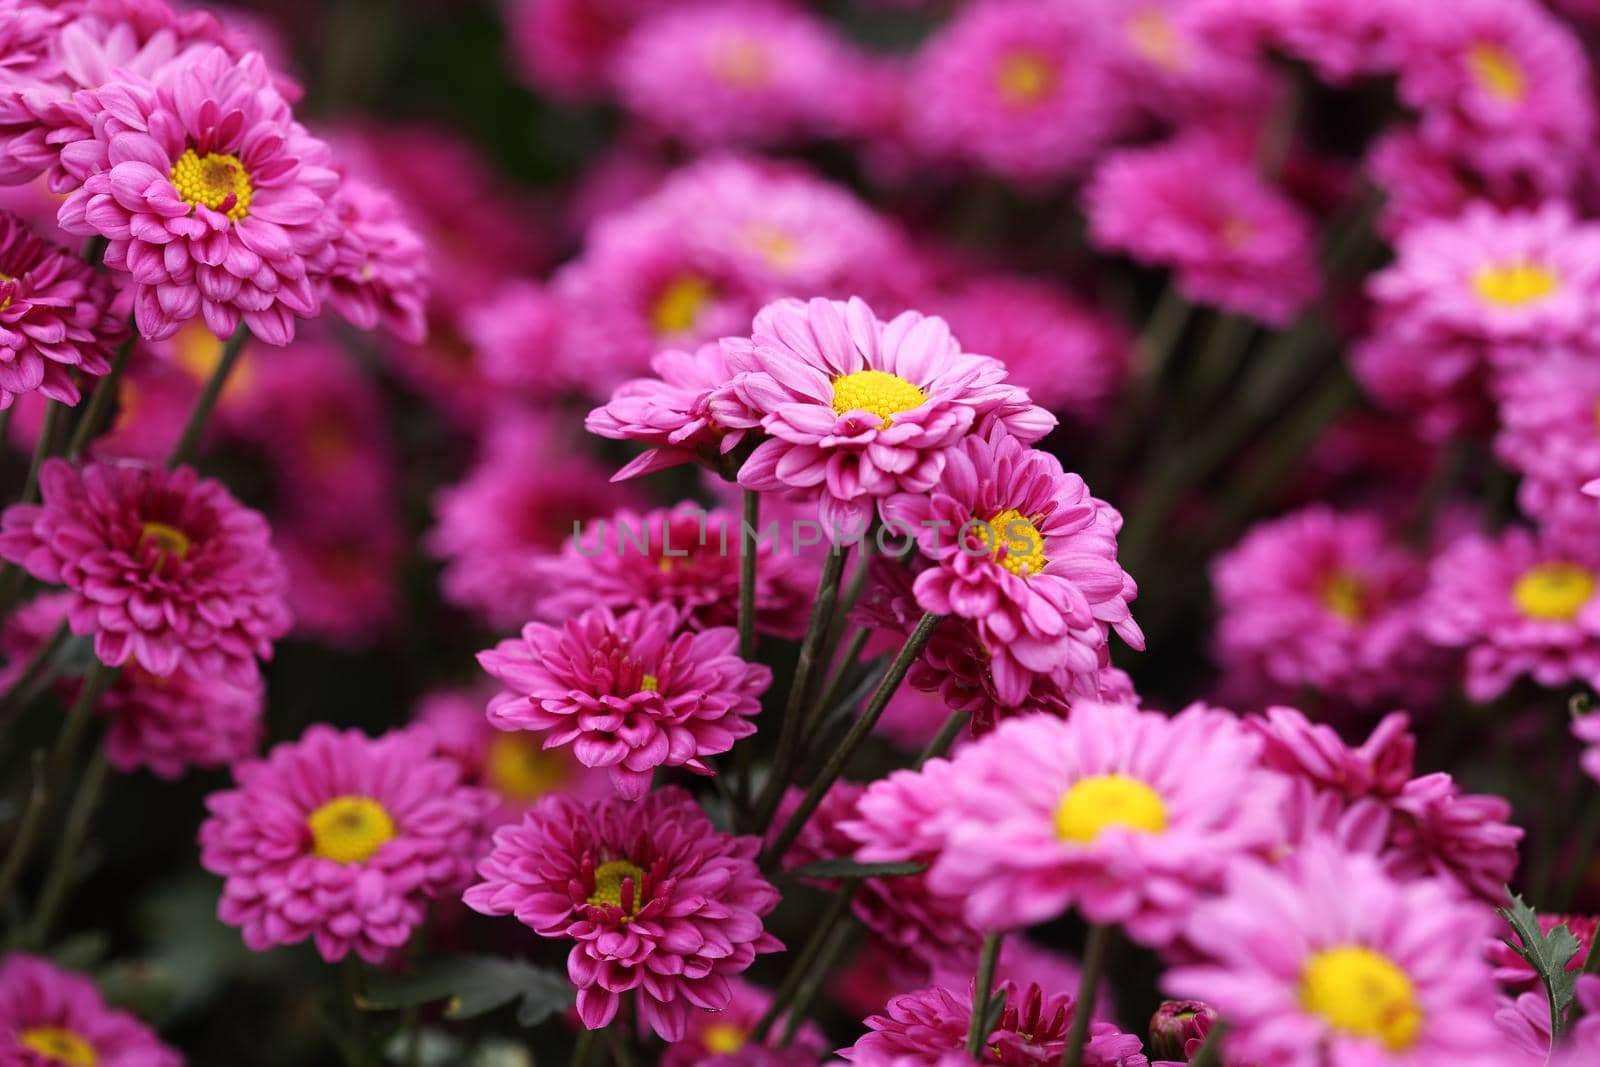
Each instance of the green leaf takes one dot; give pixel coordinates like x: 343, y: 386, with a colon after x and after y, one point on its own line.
x: 1548, y: 954
x: 473, y: 986
x: 844, y: 867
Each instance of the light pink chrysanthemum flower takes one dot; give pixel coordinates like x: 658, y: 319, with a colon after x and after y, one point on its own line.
x: 1586, y: 728
x: 920, y: 1029
x: 380, y: 266
x: 1231, y: 240
x: 1127, y: 815
x: 857, y: 409
x: 658, y: 900
x: 167, y: 725
x: 1028, y: 556
x: 49, y: 1017
x: 565, y: 47
x: 685, y: 556
x: 167, y: 569
x: 1177, y: 67
x: 1327, y: 961
x: 1021, y: 89
x: 342, y: 838
x: 629, y: 692
x: 1422, y: 184
x: 1521, y: 604
x: 723, y: 1039
x: 1327, y: 601
x: 1341, y: 40
x: 517, y: 343
x: 212, y: 197
x: 1548, y: 432
x: 55, y: 317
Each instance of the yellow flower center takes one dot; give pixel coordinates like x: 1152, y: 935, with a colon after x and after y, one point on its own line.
x: 169, y: 540
x: 1497, y: 72
x: 217, y: 179
x: 518, y: 769
x: 1553, y: 592
x: 776, y: 245
x: 608, y: 879
x: 649, y: 684
x: 4, y: 277
x: 1016, y: 542
x: 722, y: 1039
x: 741, y: 62
x: 1025, y: 77
x: 349, y: 829
x: 1093, y: 804
x: 63, y: 1046
x: 1344, y: 595
x: 1362, y: 992
x: 883, y: 394
x: 1154, y: 37
x: 1514, y: 284
x: 679, y: 304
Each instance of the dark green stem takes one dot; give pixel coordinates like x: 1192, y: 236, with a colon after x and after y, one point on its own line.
x: 363, y: 1046
x: 805, y: 962
x: 27, y: 828
x: 99, y: 407
x: 33, y: 670
x: 183, y: 451
x: 747, y: 575
x: 982, y: 986
x: 1210, y: 1053
x: 69, y: 850
x: 95, y: 683
x: 1094, y: 962
x: 944, y: 738
x: 814, y: 977
x: 41, y: 451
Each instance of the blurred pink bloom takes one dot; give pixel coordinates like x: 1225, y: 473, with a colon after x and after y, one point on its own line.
x: 380, y: 269
x: 723, y: 1039
x: 1548, y: 432
x: 52, y: 1016
x: 566, y: 47
x: 343, y: 577
x: 1586, y: 728
x: 516, y: 335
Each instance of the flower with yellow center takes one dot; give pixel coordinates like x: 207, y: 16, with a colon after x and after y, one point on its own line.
x: 1015, y: 542
x: 217, y: 179
x: 4, y: 277
x: 1344, y: 595
x: 169, y: 540
x: 775, y: 244
x: 1154, y: 37
x: 59, y: 1045
x: 520, y: 770
x: 1553, y: 592
x: 1106, y: 800
x: 1024, y: 77
x: 679, y: 304
x: 349, y: 829
x: 722, y: 1039
x: 1497, y: 72
x: 1362, y: 993
x: 649, y: 684
x: 608, y: 880
x: 1515, y: 283
x: 883, y: 394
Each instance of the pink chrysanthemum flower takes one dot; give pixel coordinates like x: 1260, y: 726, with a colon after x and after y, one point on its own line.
x: 380, y: 266
x: 629, y: 692
x: 676, y: 412
x: 1586, y: 728
x: 212, y: 197
x: 55, y: 317
x: 1231, y: 240
x: 1326, y: 961
x: 51, y: 1017
x: 341, y: 838
x: 1024, y: 90
x: 1422, y: 183
x: 566, y: 47
x: 1127, y: 815
x: 857, y: 409
x: 343, y: 579
x: 167, y: 569
x: 1028, y: 556
x: 920, y: 1029
x: 516, y: 337
x: 657, y: 899
x: 723, y: 1039
x: 1522, y: 604
x: 1068, y: 355
x: 1326, y: 601
x: 684, y: 556
x: 164, y: 724
x: 1548, y: 432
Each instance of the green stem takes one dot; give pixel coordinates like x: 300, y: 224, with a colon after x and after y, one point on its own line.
x: 36, y: 668
x: 982, y: 986
x: 1094, y: 962
x: 100, y: 401
x: 804, y: 962
x: 584, y: 1047
x: 27, y: 828
x: 183, y: 451
x: 840, y: 757
x: 95, y: 683
x: 1210, y: 1053
x: 841, y: 673
x: 814, y: 977
x: 69, y: 850
x: 944, y: 738
x: 363, y: 1049
x: 41, y: 451
x: 747, y: 575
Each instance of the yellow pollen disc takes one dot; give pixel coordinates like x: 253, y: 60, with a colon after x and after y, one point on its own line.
x: 1514, y: 284
x: 678, y: 305
x: 62, y: 1046
x: 722, y: 1039
x: 1361, y: 992
x: 349, y: 829
x: 775, y: 244
x: 1553, y: 592
x: 741, y: 62
x: 1498, y: 73
x: 882, y: 393
x: 1025, y: 77
x: 1154, y: 37
x: 1093, y: 804
x: 1343, y: 595
x: 4, y: 277
x: 1021, y: 542
x: 217, y: 179
x: 170, y: 540
x: 608, y: 879
x: 649, y: 684
x: 518, y: 769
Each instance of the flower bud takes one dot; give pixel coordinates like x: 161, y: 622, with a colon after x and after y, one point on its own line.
x: 1177, y: 1023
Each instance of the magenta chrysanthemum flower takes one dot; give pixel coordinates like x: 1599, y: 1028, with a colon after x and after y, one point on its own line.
x: 658, y: 900
x: 1548, y: 432
x: 723, y: 1039
x: 677, y: 412
x: 1326, y: 601
x: 922, y: 1028
x: 1129, y: 816
x: 380, y: 266
x: 212, y: 197
x: 516, y: 339
x: 167, y: 569
x: 629, y: 692
x: 51, y: 1017
x: 342, y: 838
x: 1586, y: 728
x: 1341, y: 39
x: 1028, y: 556
x: 1326, y: 961
x: 1021, y: 89
x: 1231, y: 240
x: 857, y: 409
x: 1522, y: 604
x: 565, y: 47
x: 55, y: 317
